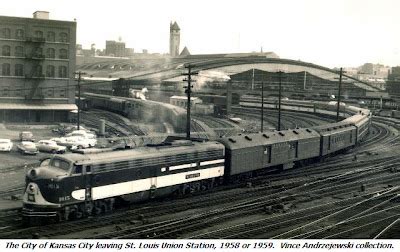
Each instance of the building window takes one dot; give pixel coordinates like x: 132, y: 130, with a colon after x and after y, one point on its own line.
x: 19, y: 51
x: 5, y: 91
x: 6, y: 69
x: 62, y: 92
x: 49, y: 92
x: 6, y: 50
x: 63, y: 37
x: 39, y: 52
x: 19, y: 70
x: 62, y: 71
x: 63, y: 54
x: 50, y: 71
x: 19, y: 34
x: 38, y: 71
x: 50, y: 53
x: 39, y: 34
x: 6, y: 33
x: 51, y: 36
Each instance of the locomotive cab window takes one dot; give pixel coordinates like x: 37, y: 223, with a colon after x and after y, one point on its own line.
x: 60, y: 163
x: 78, y: 169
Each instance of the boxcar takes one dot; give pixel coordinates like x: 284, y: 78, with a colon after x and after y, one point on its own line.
x: 246, y: 153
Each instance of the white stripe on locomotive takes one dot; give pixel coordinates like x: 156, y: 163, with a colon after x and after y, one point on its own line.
x: 102, y: 192
x: 183, y: 166
x: 217, y: 161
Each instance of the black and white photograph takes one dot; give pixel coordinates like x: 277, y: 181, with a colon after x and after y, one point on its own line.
x: 212, y: 122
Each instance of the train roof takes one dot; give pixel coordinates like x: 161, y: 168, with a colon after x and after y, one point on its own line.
x: 332, y: 126
x: 141, y: 152
x: 356, y: 118
x: 257, y: 139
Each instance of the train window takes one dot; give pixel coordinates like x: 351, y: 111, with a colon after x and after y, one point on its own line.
x: 163, y: 169
x: 329, y: 142
x: 59, y: 163
x: 270, y: 154
x: 78, y: 169
x: 88, y: 168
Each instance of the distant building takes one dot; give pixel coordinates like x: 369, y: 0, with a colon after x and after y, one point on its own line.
x: 393, y: 83
x: 367, y: 68
x: 174, y: 39
x: 129, y: 52
x: 395, y: 73
x: 185, y: 52
x: 181, y: 101
x: 37, y: 63
x: 115, y: 48
x: 79, y: 50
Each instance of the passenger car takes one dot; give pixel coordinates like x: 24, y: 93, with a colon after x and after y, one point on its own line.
x: 50, y: 146
x: 5, y: 145
x: 26, y: 147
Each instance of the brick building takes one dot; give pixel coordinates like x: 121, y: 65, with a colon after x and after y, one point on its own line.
x: 37, y: 62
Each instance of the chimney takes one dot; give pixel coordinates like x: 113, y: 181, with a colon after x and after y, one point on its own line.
x: 41, y: 14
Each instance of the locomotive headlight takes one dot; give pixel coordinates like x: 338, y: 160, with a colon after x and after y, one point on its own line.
x: 31, y: 188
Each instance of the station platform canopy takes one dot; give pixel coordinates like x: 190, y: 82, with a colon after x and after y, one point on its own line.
x: 23, y: 106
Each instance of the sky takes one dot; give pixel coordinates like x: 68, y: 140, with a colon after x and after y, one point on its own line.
x: 331, y: 33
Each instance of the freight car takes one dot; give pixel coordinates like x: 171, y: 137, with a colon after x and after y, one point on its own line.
x: 75, y: 185
x: 247, y: 153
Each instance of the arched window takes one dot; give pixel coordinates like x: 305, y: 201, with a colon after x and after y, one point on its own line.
x: 39, y: 52
x: 50, y: 53
x: 51, y: 36
x: 6, y: 69
x: 38, y: 34
x: 19, y: 34
x: 38, y: 71
x: 5, y: 50
x: 63, y: 54
x: 63, y: 37
x: 19, y: 70
x: 50, y: 71
x: 19, y: 51
x: 6, y: 33
x: 62, y: 71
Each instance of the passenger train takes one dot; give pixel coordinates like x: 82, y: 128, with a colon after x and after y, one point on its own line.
x: 76, y: 185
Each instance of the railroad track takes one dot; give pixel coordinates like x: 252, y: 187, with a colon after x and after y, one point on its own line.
x: 173, y: 227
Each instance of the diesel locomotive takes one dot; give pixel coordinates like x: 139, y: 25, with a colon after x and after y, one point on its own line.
x: 75, y: 185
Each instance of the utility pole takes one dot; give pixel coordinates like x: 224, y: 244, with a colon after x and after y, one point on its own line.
x: 79, y: 98
x: 188, y: 91
x: 340, y: 89
x: 279, y: 101
x: 262, y: 106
